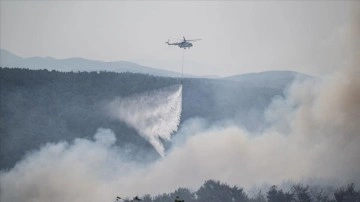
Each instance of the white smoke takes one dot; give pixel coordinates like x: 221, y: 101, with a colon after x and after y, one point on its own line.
x: 155, y: 115
x: 314, y: 133
x: 81, y: 171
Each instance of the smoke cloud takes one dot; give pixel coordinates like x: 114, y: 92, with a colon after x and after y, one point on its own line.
x: 314, y: 132
x: 79, y: 171
x: 155, y: 115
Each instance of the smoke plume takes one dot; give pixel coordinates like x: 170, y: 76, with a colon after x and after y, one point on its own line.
x: 314, y: 132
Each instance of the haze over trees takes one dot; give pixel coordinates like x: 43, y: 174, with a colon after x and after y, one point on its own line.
x: 216, y: 191
x: 41, y: 106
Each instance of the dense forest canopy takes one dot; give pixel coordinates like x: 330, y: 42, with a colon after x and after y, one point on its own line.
x: 216, y: 191
x: 41, y: 106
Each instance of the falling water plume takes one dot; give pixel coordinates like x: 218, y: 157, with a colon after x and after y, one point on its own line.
x: 154, y: 115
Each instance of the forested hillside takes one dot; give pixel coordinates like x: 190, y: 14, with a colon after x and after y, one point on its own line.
x: 41, y: 106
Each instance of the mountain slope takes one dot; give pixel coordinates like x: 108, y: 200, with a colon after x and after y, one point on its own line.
x: 8, y: 59
x: 41, y: 106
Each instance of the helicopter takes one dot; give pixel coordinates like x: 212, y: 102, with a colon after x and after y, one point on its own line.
x: 183, y: 44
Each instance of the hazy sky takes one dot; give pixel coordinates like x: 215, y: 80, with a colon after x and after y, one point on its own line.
x: 237, y: 36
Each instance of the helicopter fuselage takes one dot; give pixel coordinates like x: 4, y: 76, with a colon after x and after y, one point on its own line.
x: 185, y: 44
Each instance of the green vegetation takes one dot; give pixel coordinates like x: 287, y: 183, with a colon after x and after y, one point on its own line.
x: 215, y: 191
x: 41, y: 106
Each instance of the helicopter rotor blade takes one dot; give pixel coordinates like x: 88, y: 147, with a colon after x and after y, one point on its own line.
x: 194, y: 40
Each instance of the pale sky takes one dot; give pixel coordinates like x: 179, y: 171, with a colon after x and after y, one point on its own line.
x: 237, y: 36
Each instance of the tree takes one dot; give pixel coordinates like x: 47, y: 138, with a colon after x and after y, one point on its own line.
x: 320, y: 196
x: 215, y: 191
x: 146, y: 198
x: 347, y: 194
x: 258, y: 198
x: 301, y: 193
x: 162, y: 198
x: 184, y: 194
x: 275, y: 195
